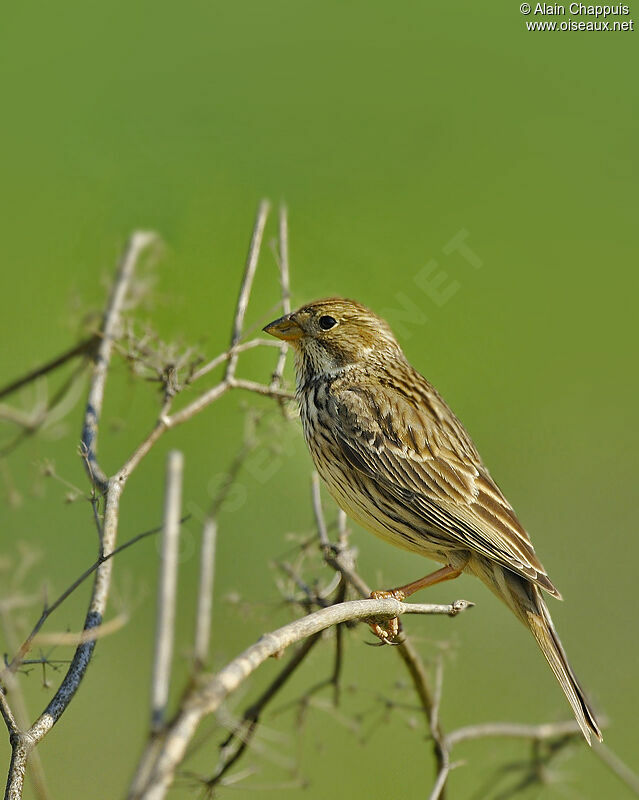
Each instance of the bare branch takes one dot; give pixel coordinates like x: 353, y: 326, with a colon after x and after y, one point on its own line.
x: 285, y: 281
x: 439, y: 787
x: 138, y: 242
x: 18, y: 659
x: 47, y: 413
x: 87, y: 635
x: 242, y: 734
x: 247, y: 283
x: 167, y: 589
x: 285, y: 287
x: 181, y: 416
x: 7, y: 714
x: 512, y: 730
x: 617, y: 767
x: 83, y: 347
x: 205, y: 592
x: 259, y: 388
x: 318, y: 512
x: 240, y: 348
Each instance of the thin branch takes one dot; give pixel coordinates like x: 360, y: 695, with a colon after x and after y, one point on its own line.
x: 246, y: 727
x: 138, y: 242
x: 617, y: 767
x: 260, y: 388
x: 86, y: 635
x: 18, y: 659
x: 83, y: 347
x: 7, y: 714
x: 182, y: 416
x: 247, y: 283
x: 318, y: 513
x: 512, y: 730
x: 205, y: 592
x: 167, y: 590
x: 439, y: 787
x: 285, y: 288
x: 240, y: 348
x: 53, y: 409
x: 285, y: 281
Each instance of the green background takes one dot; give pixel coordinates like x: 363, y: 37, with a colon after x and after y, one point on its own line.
x: 387, y: 129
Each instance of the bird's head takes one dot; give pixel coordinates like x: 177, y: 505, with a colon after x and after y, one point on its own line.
x: 331, y: 334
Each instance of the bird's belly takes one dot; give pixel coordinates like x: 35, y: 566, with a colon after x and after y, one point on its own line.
x: 364, y: 503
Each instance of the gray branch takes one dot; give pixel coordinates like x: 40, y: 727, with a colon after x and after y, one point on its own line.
x: 138, y: 242
x: 247, y: 283
x: 205, y: 592
x: 167, y: 589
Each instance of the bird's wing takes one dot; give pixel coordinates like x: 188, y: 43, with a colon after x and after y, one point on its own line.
x: 414, y: 448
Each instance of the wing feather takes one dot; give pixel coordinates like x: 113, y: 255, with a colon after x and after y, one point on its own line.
x: 412, y: 446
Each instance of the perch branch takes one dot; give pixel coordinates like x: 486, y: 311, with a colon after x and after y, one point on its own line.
x: 159, y: 762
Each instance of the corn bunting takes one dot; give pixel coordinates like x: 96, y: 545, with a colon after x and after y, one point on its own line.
x: 400, y: 463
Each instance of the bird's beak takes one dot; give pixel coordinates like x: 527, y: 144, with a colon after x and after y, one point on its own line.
x: 286, y: 328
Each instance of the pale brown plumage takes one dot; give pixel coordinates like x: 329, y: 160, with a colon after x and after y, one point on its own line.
x: 398, y: 461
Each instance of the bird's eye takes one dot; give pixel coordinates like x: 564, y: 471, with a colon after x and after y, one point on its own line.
x: 326, y: 323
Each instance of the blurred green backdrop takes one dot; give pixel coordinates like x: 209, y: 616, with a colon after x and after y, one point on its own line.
x: 388, y: 130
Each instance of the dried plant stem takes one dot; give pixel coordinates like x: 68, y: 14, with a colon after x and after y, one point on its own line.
x: 285, y: 287
x: 110, y: 328
x: 167, y: 589
x: 81, y: 348
x: 24, y: 648
x: 242, y: 734
x: 247, y: 283
x: 617, y: 767
x: 205, y: 593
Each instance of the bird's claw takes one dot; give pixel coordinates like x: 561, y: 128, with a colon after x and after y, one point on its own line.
x: 387, y: 634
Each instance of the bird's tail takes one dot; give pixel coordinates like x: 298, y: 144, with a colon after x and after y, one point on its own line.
x: 528, y: 604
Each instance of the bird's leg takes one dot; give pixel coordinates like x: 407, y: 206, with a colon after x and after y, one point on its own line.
x: 389, y: 632
x: 446, y: 573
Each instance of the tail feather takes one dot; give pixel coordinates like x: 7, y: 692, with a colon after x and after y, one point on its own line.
x: 544, y: 632
x: 531, y: 609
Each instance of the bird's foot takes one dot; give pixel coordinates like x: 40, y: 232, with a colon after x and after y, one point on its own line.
x: 390, y: 630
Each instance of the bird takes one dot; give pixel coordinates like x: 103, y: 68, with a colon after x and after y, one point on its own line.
x: 398, y: 461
